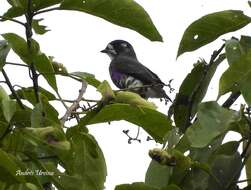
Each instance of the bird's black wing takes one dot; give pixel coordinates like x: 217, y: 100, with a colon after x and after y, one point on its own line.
x: 135, y: 69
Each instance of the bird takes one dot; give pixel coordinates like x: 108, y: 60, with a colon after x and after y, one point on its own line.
x: 128, y: 73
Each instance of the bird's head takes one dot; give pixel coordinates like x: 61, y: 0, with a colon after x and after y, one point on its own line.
x: 119, y: 47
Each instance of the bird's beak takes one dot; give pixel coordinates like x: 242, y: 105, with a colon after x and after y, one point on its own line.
x: 104, y: 51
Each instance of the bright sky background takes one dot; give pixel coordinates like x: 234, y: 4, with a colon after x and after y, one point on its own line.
x: 76, y: 40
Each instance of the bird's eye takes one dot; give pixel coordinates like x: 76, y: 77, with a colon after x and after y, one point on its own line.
x: 124, y: 45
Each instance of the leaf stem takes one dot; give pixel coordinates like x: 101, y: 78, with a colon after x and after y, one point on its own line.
x: 3, y: 18
x: 47, y: 10
x: 16, y: 64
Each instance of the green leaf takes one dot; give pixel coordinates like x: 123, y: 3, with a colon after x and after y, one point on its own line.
x: 19, y: 7
x: 85, y: 165
x: 124, y: 13
x: 51, y: 138
x: 245, y: 42
x: 234, y: 50
x: 44, y: 66
x: 213, y: 121
x: 135, y: 186
x: 192, y: 91
x: 133, y: 99
x: 28, y: 94
x: 89, y: 78
x: 155, y: 123
x: 4, y: 50
x: 9, y: 168
x: 241, y: 70
x: 19, y: 46
x: 105, y: 89
x: 38, y: 28
x: 248, y: 162
x: 210, y: 27
x: 225, y: 168
x: 9, y: 108
x: 157, y: 175
x: 3, y: 94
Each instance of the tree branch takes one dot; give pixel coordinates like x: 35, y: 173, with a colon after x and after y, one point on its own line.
x: 75, y: 104
x: 231, y: 99
x: 29, y: 16
x: 12, y: 89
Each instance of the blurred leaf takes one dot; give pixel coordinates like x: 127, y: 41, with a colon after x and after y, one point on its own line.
x: 8, y: 169
x: 19, y: 46
x: 210, y: 27
x: 44, y: 115
x: 234, y: 50
x: 192, y: 91
x: 3, y: 94
x: 157, y: 175
x: 85, y: 165
x: 44, y: 66
x: 226, y: 169
x: 135, y: 186
x: 124, y: 13
x: 19, y: 6
x: 241, y: 70
x: 213, y: 121
x: 51, y: 138
x: 9, y: 109
x: 125, y: 97
x: 89, y: 78
x: 228, y: 148
x: 105, y: 89
x: 4, y: 50
x: 28, y: 94
x: 248, y: 162
x: 38, y: 28
x: 59, y: 68
x: 245, y: 42
x: 155, y: 123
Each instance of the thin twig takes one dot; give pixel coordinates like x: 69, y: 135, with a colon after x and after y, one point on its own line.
x: 12, y: 89
x: 4, y: 18
x: 75, y: 105
x: 61, y: 100
x: 137, y: 87
x: 16, y: 64
x: 47, y: 10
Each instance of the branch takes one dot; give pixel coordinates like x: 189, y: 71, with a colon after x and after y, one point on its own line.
x: 28, y: 26
x: 75, y: 104
x: 231, y: 99
x: 47, y: 10
x: 4, y: 18
x: 12, y: 89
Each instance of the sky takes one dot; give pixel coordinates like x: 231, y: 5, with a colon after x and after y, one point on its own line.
x: 76, y: 39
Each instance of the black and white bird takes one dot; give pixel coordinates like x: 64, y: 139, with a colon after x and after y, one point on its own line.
x: 128, y: 73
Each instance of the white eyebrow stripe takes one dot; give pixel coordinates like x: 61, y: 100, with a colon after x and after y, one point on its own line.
x: 110, y: 46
